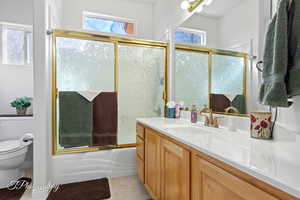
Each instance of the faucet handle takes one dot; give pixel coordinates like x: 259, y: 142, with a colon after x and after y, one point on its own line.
x: 206, y: 121
x: 216, y: 122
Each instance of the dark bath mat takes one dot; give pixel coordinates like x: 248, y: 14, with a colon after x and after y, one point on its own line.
x: 88, y: 190
x: 15, y: 190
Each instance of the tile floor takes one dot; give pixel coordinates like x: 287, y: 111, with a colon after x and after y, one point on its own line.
x: 121, y: 188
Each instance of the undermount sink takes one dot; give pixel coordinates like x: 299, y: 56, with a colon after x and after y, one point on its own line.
x: 191, y: 129
x: 197, y: 128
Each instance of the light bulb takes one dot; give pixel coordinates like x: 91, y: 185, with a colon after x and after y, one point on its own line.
x: 185, y: 5
x: 207, y: 2
x: 199, y: 9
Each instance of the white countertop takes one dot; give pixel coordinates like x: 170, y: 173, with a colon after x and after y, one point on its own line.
x: 274, y: 162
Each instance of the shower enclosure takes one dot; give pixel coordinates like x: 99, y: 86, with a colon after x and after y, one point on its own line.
x: 212, y: 77
x: 101, y: 84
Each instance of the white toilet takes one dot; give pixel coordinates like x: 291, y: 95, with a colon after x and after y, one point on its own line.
x: 12, y: 156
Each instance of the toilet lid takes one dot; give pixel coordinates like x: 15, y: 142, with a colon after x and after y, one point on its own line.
x: 10, y: 145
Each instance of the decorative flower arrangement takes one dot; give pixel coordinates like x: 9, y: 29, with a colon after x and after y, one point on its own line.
x: 21, y: 104
x: 261, y: 125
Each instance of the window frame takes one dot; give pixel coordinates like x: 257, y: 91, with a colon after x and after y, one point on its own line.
x: 3, y: 42
x: 111, y: 18
x: 193, y: 31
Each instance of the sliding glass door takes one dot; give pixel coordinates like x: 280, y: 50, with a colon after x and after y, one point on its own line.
x: 100, y: 86
x: 140, y: 87
x: 84, y: 70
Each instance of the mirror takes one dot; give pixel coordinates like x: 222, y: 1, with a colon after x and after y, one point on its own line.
x: 191, y: 82
x: 213, y: 51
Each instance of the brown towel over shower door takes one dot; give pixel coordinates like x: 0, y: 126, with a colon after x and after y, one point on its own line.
x: 105, y: 119
x: 219, y: 102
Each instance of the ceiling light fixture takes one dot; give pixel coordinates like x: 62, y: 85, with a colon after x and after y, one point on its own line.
x: 185, y: 5
x: 200, y: 9
x: 191, y: 5
x: 207, y: 2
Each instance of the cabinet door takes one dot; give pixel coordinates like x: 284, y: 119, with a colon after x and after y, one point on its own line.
x: 212, y: 183
x: 175, y: 172
x: 140, y: 147
x: 140, y: 169
x: 152, y: 157
x: 140, y: 130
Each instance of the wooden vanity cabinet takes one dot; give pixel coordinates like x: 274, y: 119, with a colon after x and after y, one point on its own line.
x: 140, y: 152
x: 152, y: 163
x: 171, y: 170
x: 175, y: 171
x: 210, y: 182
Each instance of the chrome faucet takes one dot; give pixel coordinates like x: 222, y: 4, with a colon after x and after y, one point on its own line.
x: 210, y: 120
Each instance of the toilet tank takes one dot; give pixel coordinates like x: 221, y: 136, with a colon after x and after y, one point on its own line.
x: 13, y: 128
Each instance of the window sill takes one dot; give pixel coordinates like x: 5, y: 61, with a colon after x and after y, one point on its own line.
x: 11, y: 117
x: 16, y: 65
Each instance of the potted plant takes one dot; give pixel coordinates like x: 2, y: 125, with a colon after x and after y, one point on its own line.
x: 21, y: 105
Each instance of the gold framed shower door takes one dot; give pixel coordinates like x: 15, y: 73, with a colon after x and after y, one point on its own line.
x: 211, y: 52
x: 103, y: 38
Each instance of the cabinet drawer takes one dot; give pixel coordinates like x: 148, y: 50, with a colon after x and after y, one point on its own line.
x: 140, y: 130
x: 140, y: 148
x: 140, y: 169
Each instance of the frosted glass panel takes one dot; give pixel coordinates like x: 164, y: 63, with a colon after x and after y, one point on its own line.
x: 141, y: 86
x: 191, y: 78
x: 227, y: 74
x: 84, y: 65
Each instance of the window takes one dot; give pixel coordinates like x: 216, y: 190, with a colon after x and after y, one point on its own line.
x: 16, y: 44
x: 190, y: 36
x: 108, y: 24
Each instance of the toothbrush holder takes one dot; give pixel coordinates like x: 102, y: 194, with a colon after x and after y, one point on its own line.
x: 170, y: 113
x: 261, y: 125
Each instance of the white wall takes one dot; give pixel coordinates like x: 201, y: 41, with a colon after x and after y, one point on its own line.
x: 55, y: 9
x: 240, y: 24
x: 140, y: 11
x: 16, y: 11
x: 207, y: 24
x: 167, y: 16
x: 42, y: 95
x: 236, y: 30
x: 289, y: 117
x: 239, y: 27
x: 15, y: 81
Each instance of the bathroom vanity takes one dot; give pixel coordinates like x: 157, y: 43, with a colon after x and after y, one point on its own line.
x: 180, y: 161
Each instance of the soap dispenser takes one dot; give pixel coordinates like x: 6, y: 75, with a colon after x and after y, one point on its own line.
x: 194, y: 114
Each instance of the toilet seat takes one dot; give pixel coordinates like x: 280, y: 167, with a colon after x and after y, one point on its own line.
x: 9, y: 146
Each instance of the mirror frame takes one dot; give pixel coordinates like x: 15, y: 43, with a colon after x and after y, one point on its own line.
x: 211, y: 52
